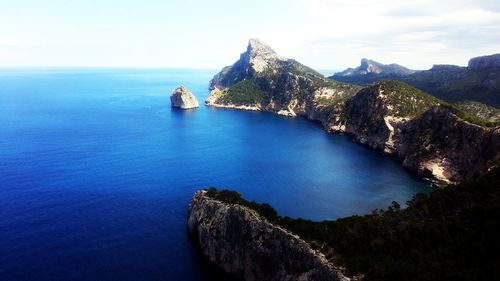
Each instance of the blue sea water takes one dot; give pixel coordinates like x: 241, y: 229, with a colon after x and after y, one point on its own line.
x: 96, y: 172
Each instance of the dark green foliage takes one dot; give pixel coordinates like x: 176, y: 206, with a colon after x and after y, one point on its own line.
x: 480, y: 110
x: 233, y: 197
x: 471, y: 116
x: 407, y: 101
x: 450, y: 234
x: 268, y: 212
x: 245, y: 92
x: 212, y: 192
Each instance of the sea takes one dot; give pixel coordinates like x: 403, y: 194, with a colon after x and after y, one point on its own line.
x: 97, y: 172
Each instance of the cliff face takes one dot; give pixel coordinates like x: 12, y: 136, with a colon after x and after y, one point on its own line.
x: 247, y: 246
x: 440, y: 145
x: 388, y: 116
x: 430, y: 139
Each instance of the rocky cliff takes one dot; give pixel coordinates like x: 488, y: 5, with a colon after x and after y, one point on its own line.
x: 247, y: 246
x: 183, y: 99
x: 432, y: 139
x: 439, y: 144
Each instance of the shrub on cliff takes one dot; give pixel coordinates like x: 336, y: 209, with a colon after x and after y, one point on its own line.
x: 233, y: 197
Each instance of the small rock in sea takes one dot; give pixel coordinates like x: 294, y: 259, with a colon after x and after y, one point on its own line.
x: 183, y: 99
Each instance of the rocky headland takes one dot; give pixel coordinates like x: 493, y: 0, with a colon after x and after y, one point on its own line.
x: 183, y: 99
x: 449, y: 234
x: 246, y: 245
x: 431, y: 137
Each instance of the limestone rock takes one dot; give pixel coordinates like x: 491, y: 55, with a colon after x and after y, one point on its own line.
x: 183, y: 99
x: 247, y: 246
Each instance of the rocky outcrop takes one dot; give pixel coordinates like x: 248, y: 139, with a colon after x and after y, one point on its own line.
x: 183, y: 99
x: 249, y: 247
x: 485, y: 62
x: 388, y: 116
x: 440, y: 145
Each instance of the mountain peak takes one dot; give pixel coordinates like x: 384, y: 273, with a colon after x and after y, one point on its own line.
x: 257, y: 47
x: 368, y: 66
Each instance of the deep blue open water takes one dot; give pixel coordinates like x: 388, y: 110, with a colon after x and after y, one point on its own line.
x: 96, y: 172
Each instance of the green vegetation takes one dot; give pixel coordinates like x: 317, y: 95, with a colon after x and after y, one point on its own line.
x: 245, y: 92
x: 325, y: 101
x: 407, y: 101
x: 477, y: 113
x: 471, y: 117
x: 450, y: 234
x: 233, y: 197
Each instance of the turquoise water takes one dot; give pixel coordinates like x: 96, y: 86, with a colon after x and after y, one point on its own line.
x: 97, y: 171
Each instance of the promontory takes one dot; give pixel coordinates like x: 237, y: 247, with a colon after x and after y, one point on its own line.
x: 433, y: 138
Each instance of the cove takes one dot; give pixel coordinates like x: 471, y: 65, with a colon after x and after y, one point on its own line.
x: 97, y: 170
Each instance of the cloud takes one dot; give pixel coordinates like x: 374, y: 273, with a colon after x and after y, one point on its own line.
x: 320, y: 33
x: 416, y: 33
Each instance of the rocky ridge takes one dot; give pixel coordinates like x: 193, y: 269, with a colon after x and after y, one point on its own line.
x: 249, y: 247
x: 479, y: 81
x: 484, y: 62
x: 389, y: 116
x: 183, y: 99
x: 373, y: 67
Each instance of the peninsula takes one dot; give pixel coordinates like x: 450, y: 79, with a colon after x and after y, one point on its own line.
x: 433, y: 138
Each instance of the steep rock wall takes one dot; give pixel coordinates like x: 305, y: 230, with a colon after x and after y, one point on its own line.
x: 249, y: 247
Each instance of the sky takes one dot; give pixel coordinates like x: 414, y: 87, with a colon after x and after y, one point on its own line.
x: 323, y: 34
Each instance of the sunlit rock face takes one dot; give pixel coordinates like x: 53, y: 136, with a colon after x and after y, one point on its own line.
x: 183, y: 99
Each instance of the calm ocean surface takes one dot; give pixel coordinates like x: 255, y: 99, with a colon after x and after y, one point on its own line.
x: 96, y: 172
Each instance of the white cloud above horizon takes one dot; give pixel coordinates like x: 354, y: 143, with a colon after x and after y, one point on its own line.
x: 324, y: 34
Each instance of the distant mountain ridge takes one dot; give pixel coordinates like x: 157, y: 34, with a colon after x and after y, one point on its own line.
x: 479, y: 81
x: 372, y: 67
